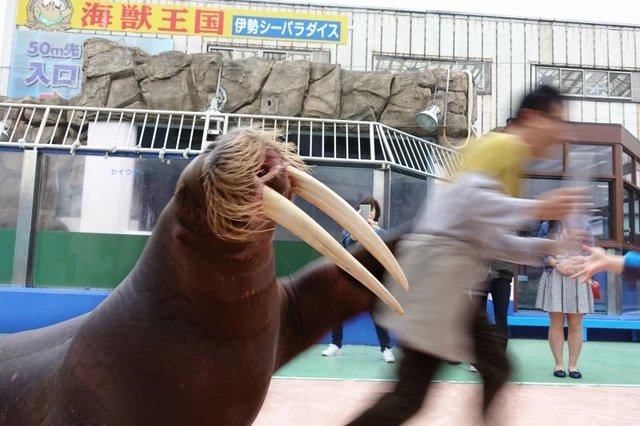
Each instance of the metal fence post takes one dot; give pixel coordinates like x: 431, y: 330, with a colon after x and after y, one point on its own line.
x: 386, y: 200
x: 26, y: 228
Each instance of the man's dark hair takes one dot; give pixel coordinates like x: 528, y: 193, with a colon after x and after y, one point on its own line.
x: 374, y: 204
x: 542, y: 99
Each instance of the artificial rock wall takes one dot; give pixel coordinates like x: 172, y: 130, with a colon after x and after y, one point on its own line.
x: 126, y: 77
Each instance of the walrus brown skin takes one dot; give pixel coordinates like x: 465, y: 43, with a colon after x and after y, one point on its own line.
x: 190, y: 338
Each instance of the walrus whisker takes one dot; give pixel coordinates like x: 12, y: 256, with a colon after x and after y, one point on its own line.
x: 229, y: 174
x: 290, y: 216
x: 339, y: 210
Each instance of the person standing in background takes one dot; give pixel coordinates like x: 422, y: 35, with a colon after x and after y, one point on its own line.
x: 499, y: 285
x: 348, y: 241
x: 563, y: 296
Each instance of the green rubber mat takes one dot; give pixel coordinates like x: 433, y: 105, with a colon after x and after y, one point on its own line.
x: 601, y: 363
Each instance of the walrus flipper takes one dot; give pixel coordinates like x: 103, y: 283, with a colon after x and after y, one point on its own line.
x: 320, y: 297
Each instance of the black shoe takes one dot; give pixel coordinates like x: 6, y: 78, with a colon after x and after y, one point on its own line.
x: 575, y: 374
x: 560, y: 373
x: 453, y: 362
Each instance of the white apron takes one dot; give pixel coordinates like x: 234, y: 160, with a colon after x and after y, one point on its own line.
x: 442, y: 272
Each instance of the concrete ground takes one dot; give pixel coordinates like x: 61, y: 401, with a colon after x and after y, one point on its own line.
x: 317, y: 391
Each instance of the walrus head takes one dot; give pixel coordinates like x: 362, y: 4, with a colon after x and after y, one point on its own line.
x: 241, y: 186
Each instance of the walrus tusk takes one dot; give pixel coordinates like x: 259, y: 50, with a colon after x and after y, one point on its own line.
x: 287, y: 214
x: 339, y: 210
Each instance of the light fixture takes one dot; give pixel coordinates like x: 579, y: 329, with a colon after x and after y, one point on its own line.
x: 428, y: 119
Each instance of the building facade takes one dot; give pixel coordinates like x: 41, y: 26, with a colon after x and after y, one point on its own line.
x: 596, y: 65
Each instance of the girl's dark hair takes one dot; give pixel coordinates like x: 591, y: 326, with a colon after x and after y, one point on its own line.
x: 555, y: 226
x: 374, y: 205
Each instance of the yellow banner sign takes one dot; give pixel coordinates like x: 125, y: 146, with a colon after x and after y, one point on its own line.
x: 63, y: 15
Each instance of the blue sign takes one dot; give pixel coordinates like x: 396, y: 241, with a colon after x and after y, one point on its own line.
x: 289, y: 29
x: 47, y: 64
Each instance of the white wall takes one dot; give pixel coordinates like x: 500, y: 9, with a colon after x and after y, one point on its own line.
x: 7, y: 25
x: 509, y: 47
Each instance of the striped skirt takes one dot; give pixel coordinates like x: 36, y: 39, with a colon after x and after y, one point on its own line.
x: 558, y: 293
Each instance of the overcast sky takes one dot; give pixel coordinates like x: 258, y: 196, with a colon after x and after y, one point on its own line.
x: 622, y: 12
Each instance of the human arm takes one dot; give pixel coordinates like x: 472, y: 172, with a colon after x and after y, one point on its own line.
x: 598, y: 260
x: 547, y: 259
x: 347, y: 239
x: 495, y: 208
x: 527, y: 250
x: 515, y: 249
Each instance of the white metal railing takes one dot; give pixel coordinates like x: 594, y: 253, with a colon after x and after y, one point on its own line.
x: 184, y: 133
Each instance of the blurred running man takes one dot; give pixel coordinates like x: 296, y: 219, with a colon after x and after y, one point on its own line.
x: 446, y: 257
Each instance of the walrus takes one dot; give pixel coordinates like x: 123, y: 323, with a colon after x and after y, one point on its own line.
x: 193, y: 335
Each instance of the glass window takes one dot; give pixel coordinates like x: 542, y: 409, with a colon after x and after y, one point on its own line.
x: 597, y: 83
x: 10, y: 178
x: 637, y: 173
x: 140, y: 189
x: 572, y: 82
x: 627, y: 166
x: 590, y: 83
x: 549, y: 77
x: 533, y: 187
x: 234, y: 53
x: 407, y: 196
x: 277, y: 56
x: 529, y: 276
x: 636, y: 217
x: 99, y: 212
x: 599, y: 216
x: 620, y: 84
x: 599, y: 219
x: 602, y: 163
x: 402, y: 64
x: 352, y: 184
x: 626, y: 211
x: 631, y: 212
x: 551, y: 165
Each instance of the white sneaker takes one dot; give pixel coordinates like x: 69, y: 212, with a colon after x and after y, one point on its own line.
x: 332, y: 350
x: 473, y: 369
x: 387, y: 355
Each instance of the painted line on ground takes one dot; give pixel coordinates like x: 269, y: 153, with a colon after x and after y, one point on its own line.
x: 462, y: 382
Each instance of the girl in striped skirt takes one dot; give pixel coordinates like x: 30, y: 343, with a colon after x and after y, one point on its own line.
x: 562, y: 296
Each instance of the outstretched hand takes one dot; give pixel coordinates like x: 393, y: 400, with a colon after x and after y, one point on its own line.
x: 597, y: 261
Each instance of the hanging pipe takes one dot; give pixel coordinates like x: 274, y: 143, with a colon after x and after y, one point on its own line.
x: 469, y: 113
